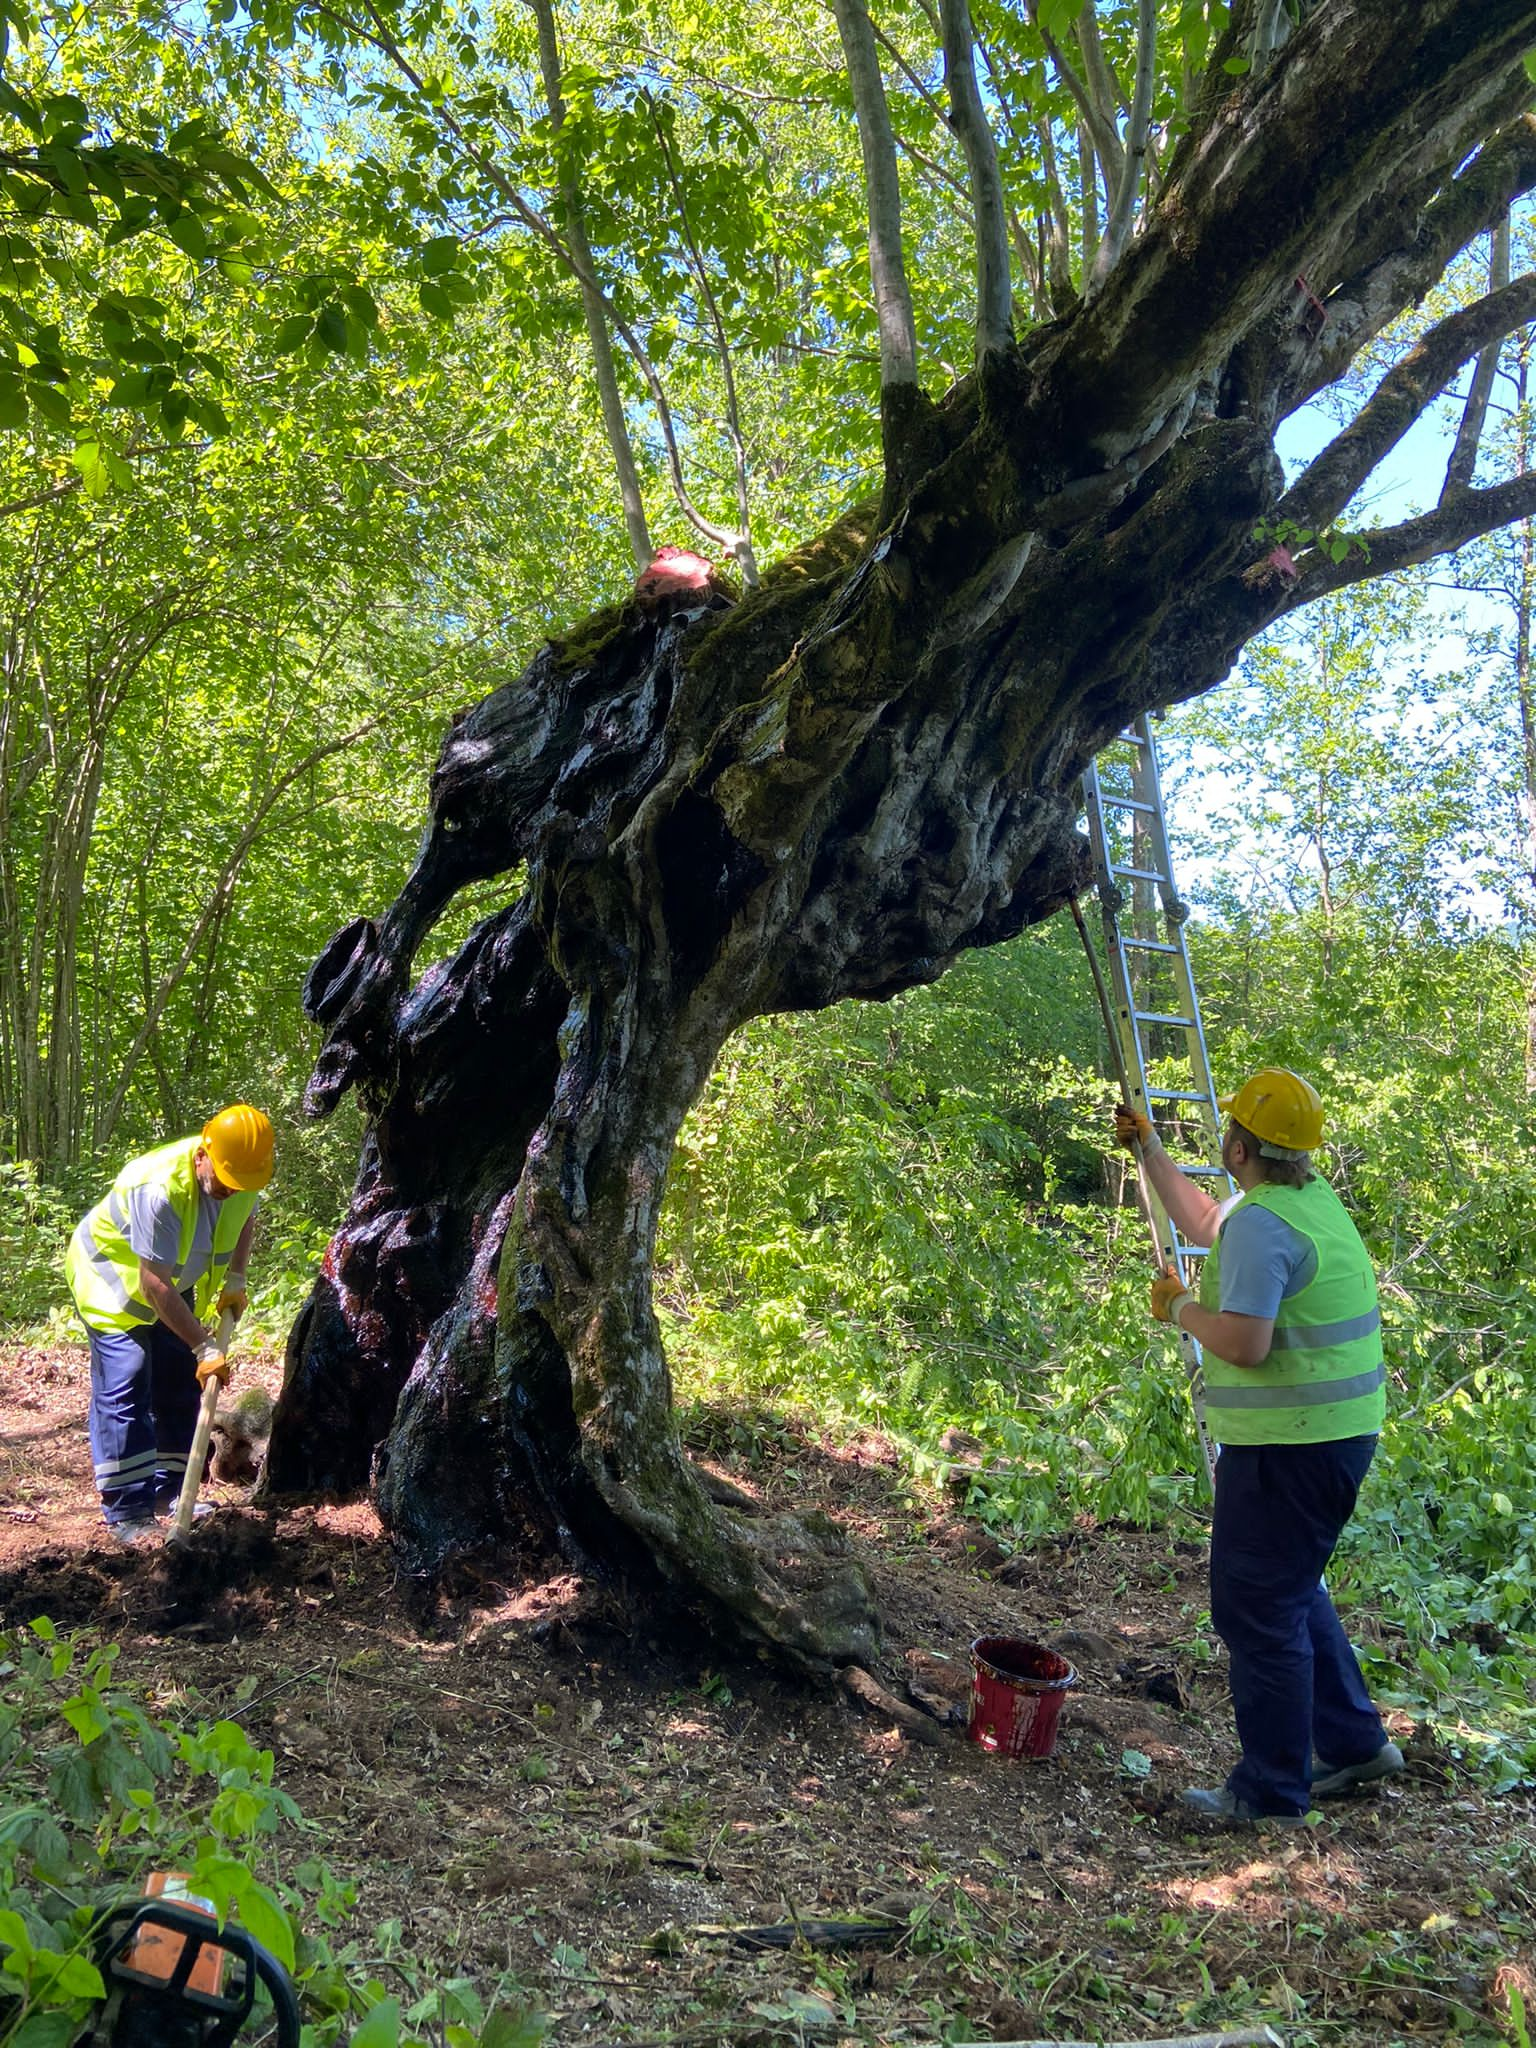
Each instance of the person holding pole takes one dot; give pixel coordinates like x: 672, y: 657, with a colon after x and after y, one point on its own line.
x: 168, y: 1245
x: 1288, y: 1322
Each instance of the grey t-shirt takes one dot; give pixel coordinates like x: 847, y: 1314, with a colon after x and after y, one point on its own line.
x: 154, y: 1232
x: 1263, y: 1261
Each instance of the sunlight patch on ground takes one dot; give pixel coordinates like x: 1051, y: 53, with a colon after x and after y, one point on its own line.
x: 1267, y: 1887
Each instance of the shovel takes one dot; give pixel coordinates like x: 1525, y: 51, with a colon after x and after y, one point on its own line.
x: 197, y: 1457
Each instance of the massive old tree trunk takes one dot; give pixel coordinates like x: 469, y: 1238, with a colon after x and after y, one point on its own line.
x: 833, y: 788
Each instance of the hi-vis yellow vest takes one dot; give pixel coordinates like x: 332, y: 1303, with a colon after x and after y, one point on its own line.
x: 102, y: 1267
x: 1324, y: 1377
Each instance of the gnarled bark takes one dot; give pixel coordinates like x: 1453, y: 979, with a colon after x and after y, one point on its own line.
x: 833, y: 788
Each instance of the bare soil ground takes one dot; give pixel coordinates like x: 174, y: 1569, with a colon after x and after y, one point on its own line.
x: 527, y: 1778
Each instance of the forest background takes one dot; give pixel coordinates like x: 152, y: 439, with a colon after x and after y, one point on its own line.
x: 288, y: 481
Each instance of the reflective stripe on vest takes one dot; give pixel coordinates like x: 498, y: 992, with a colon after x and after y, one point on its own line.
x: 1310, y: 1393
x: 1323, y: 1376
x: 1321, y: 1334
x: 106, y: 1275
x: 103, y: 1268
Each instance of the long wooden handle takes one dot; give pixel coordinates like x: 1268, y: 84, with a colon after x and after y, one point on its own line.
x: 197, y: 1457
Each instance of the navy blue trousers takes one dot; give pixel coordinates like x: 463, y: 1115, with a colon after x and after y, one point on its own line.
x: 1296, y: 1685
x: 144, y: 1403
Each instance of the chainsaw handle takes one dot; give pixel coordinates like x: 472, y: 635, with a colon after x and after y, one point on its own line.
x: 222, y: 2017
x: 197, y: 1457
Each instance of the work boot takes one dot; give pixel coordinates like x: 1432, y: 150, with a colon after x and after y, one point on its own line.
x: 1220, y: 1804
x: 143, y: 1529
x: 1332, y: 1781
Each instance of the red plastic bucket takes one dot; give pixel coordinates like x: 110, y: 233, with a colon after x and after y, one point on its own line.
x: 1016, y: 1693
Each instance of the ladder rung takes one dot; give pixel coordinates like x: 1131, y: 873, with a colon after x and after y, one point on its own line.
x: 1127, y: 803
x: 1176, y: 1095
x: 1138, y: 874
x: 1163, y: 1017
x: 1150, y: 945
x: 1194, y: 1172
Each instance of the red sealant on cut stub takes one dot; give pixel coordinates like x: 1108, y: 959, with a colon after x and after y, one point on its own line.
x: 1016, y: 1694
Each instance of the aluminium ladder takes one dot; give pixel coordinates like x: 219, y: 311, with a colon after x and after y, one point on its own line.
x: 1147, y: 992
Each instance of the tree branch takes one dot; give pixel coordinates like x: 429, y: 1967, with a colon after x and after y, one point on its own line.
x: 994, y: 289
x: 1458, y: 471
x: 1408, y: 246
x: 1057, y: 262
x: 1048, y: 270
x: 1451, y: 525
x: 1270, y: 189
x: 746, y: 561
x: 1328, y: 484
x: 1088, y: 194
x: 1094, y: 132
x: 1122, y: 211
x: 893, y: 300
x: 1271, y: 32
x: 1102, y: 94
x: 609, y: 396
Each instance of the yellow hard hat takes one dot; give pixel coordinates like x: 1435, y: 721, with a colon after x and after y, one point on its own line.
x: 239, y: 1142
x: 1279, y: 1107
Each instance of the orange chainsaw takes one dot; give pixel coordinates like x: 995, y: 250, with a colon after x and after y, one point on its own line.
x: 176, y: 1979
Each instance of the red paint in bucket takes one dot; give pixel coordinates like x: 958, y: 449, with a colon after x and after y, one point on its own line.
x: 1016, y: 1693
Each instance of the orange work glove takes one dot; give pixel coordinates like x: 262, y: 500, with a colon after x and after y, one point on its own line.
x: 211, y: 1363
x: 1132, y: 1128
x: 1169, y: 1296
x: 233, y: 1296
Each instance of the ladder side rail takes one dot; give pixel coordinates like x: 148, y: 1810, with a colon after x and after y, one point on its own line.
x: 1174, y: 913
x: 1145, y: 871
x: 1127, y: 1050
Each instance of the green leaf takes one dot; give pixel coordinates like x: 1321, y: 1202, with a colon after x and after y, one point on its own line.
x: 53, y: 405
x: 28, y: 114
x: 440, y: 254
x: 76, y: 1977
x: 14, y: 1936
x: 381, y: 2029
x: 1057, y: 16
x: 189, y: 235
x: 361, y: 305
x: 331, y: 327
x: 293, y: 332
x: 85, y: 1713
x: 46, y: 2030
x: 130, y: 389
x: 435, y: 300
x: 264, y: 1918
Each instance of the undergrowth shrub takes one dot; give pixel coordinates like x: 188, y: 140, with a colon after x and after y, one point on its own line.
x: 101, y: 1789
x: 35, y: 1223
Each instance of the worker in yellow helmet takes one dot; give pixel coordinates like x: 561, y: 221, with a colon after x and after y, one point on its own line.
x: 1287, y: 1319
x: 168, y: 1246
